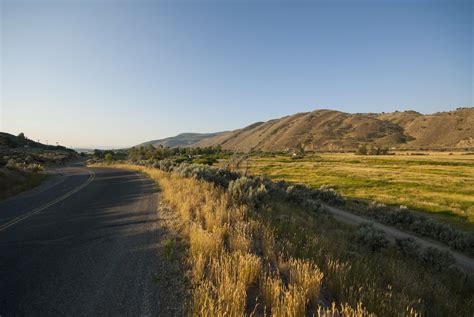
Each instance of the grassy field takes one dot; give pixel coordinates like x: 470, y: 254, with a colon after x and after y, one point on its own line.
x: 277, y: 259
x: 438, y: 183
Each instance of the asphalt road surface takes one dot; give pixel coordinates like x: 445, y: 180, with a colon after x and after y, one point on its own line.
x: 83, y: 244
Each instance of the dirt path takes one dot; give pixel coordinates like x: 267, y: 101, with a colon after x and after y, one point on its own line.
x: 464, y: 262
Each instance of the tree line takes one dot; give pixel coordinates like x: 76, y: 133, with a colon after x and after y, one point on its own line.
x: 372, y: 150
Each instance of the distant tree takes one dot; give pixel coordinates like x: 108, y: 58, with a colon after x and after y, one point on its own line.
x: 22, y: 138
x: 98, y: 154
x: 362, y: 150
x: 301, y: 151
x: 108, y: 158
x: 373, y: 150
x: 383, y: 151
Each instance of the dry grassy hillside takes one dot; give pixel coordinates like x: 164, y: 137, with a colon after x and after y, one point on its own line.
x: 328, y: 130
x: 22, y: 162
x: 454, y: 129
x: 183, y: 139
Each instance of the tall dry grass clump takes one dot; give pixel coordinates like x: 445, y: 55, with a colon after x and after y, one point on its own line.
x: 281, y: 300
x: 345, y: 310
x: 303, y: 288
x: 231, y: 256
x: 307, y: 276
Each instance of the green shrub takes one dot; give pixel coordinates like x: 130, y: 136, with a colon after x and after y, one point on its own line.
x: 371, y: 237
x: 181, y: 159
x: 24, y: 166
x: 165, y: 165
x: 408, y: 246
x: 328, y: 195
x: 207, y: 160
x: 304, y: 196
x: 108, y: 158
x: 247, y: 190
x: 420, y: 224
x: 437, y: 259
x: 219, y: 177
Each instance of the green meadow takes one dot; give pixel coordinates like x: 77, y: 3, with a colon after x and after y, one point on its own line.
x: 439, y: 184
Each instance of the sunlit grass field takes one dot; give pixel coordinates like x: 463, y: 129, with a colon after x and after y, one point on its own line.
x: 278, y: 259
x: 438, y: 183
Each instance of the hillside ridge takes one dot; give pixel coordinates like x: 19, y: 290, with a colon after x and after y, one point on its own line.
x: 331, y: 130
x: 181, y: 140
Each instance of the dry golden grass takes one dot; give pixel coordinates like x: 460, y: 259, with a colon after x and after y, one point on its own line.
x: 306, y: 275
x: 240, y: 238
x: 304, y: 285
x: 275, y: 262
x: 222, y: 254
x: 204, y: 243
x: 222, y: 273
x: 13, y: 182
x: 345, y: 310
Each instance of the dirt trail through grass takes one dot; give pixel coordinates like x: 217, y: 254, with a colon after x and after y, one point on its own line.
x: 464, y: 262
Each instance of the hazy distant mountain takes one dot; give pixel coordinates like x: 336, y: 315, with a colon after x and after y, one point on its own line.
x: 333, y: 130
x: 183, y: 139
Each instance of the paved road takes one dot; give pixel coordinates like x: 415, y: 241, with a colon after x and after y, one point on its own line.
x: 464, y: 262
x: 84, y: 244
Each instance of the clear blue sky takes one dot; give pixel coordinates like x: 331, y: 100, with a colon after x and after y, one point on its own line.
x: 95, y: 73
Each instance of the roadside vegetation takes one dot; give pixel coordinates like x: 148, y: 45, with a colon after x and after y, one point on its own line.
x: 439, y: 185
x: 258, y: 247
x: 372, y: 150
x: 147, y: 154
x: 16, y: 178
x: 23, y: 161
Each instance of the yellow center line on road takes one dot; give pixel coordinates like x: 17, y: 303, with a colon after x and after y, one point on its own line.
x: 48, y: 204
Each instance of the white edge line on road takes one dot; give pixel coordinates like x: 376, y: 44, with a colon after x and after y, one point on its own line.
x: 48, y: 204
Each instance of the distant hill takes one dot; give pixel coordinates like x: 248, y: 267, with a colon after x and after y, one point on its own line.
x: 182, y: 140
x: 19, y: 150
x: 453, y: 129
x: 329, y: 130
x: 22, y: 161
x: 11, y: 141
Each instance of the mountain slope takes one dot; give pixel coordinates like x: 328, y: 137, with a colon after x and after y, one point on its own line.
x: 183, y: 139
x: 454, y: 129
x: 325, y: 130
